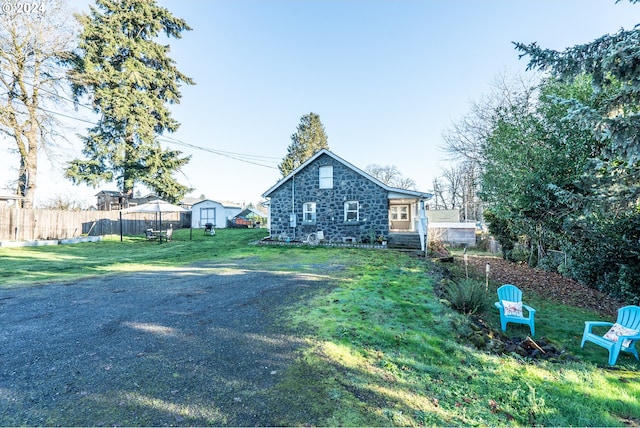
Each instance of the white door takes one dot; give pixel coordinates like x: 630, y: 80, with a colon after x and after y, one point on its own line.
x: 208, y: 215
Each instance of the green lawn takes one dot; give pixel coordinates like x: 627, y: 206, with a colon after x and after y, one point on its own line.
x: 384, y: 350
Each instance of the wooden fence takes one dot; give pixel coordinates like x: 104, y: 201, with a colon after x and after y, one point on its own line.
x: 17, y: 224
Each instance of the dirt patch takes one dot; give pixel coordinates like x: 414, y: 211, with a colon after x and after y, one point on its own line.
x: 194, y: 346
x: 486, y: 338
x: 549, y: 284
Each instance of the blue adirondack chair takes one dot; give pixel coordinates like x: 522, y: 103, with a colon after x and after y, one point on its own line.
x: 511, y: 293
x: 629, y: 318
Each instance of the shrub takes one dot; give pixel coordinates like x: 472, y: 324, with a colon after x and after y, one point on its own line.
x: 468, y: 296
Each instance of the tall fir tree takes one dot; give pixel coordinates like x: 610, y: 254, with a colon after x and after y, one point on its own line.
x: 612, y: 61
x: 130, y: 79
x: 309, y: 139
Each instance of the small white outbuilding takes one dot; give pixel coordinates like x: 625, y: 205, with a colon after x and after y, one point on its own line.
x: 216, y: 213
x: 208, y: 211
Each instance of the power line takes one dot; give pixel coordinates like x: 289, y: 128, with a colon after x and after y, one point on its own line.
x: 241, y: 157
x: 218, y: 152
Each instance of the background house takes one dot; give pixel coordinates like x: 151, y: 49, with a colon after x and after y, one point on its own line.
x: 187, y: 202
x: 8, y: 197
x: 328, y: 194
x: 110, y: 200
x: 249, y: 217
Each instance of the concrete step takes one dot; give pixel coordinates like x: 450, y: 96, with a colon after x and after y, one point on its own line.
x: 404, y: 241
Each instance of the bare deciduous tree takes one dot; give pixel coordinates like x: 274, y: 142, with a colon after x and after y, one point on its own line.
x: 465, y: 140
x: 391, y: 176
x: 33, y: 39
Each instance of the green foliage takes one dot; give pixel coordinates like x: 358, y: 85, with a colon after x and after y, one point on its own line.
x: 468, y: 296
x: 612, y: 62
x: 606, y: 253
x: 548, y: 184
x: 130, y: 79
x: 501, y: 229
x: 309, y: 139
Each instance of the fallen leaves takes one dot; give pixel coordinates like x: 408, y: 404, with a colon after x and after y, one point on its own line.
x: 549, y: 284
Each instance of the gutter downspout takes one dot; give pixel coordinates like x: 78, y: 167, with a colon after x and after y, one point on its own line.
x: 423, y: 229
x: 292, y: 218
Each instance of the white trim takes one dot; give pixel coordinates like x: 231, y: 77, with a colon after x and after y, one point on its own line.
x: 394, y: 192
x: 312, y: 212
x: 451, y: 225
x: 357, y: 211
x: 325, y: 181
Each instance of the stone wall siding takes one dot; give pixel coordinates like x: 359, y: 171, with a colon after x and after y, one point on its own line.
x: 348, y: 185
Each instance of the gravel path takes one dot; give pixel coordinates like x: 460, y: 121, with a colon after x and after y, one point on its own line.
x: 195, y: 346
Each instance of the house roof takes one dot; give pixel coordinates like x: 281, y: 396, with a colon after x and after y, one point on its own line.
x: 225, y: 204
x: 187, y: 200
x: 110, y: 192
x: 9, y: 195
x: 392, y: 190
x: 247, y: 211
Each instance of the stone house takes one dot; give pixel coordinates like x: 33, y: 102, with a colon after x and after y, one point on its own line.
x: 328, y: 194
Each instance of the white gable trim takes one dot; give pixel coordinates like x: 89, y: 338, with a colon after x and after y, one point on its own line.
x: 392, y: 190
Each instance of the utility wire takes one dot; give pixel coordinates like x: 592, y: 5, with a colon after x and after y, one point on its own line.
x: 241, y: 157
x: 217, y: 152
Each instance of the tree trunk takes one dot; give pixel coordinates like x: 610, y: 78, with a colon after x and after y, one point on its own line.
x: 31, y: 167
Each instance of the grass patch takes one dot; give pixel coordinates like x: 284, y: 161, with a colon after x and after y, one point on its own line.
x: 391, y: 349
x: 33, y: 265
x: 383, y: 349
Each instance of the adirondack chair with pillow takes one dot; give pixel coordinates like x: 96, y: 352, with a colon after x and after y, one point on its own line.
x: 510, y: 306
x: 622, y: 335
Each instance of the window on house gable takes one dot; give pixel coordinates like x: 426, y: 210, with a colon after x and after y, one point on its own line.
x: 351, y: 211
x: 309, y: 212
x: 326, y: 177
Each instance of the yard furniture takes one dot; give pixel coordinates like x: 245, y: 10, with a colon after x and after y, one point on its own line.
x: 157, y: 207
x: 510, y: 306
x: 150, y: 234
x: 622, y: 335
x: 208, y: 229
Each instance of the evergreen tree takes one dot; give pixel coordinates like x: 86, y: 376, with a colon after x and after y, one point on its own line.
x: 603, y: 232
x: 612, y: 61
x: 130, y: 78
x: 307, y: 141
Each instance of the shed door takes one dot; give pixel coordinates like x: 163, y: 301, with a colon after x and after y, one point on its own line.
x: 208, y: 215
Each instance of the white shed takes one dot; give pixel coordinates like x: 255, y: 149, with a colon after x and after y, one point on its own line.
x: 208, y: 211
x: 231, y: 209
x: 454, y: 233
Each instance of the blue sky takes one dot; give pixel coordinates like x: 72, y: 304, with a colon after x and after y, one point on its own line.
x: 386, y: 77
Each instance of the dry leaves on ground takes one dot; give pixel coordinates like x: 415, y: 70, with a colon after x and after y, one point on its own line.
x: 550, y: 284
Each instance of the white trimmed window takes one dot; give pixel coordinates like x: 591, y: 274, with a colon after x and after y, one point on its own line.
x: 309, y: 212
x: 326, y: 177
x: 351, y: 212
x: 400, y: 212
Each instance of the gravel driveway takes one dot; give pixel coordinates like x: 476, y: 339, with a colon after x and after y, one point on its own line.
x: 200, y: 345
